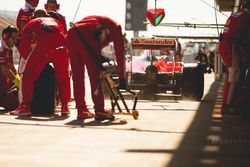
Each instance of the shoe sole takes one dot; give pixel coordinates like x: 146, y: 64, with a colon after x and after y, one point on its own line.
x: 24, y: 114
x: 13, y: 113
x: 102, y: 119
x: 21, y: 114
x: 79, y: 118
x: 65, y: 114
x: 86, y: 115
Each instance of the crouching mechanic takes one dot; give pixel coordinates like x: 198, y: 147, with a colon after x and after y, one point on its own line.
x: 98, y: 32
x: 49, y: 45
x: 8, y: 73
x: 233, y: 38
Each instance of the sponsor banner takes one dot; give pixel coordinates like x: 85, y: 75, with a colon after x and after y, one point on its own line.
x: 155, y: 44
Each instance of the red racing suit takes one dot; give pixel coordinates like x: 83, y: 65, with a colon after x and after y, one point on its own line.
x: 49, y: 36
x: 62, y: 20
x: 24, y: 16
x: 10, y: 100
x: 235, y: 27
x: 79, y: 57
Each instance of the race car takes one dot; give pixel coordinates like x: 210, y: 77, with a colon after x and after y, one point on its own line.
x: 157, y: 66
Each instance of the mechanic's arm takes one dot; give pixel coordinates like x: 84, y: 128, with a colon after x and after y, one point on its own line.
x: 7, y: 72
x: 236, y: 27
x: 120, y: 55
x: 119, y: 51
x: 12, y: 68
x: 25, y: 43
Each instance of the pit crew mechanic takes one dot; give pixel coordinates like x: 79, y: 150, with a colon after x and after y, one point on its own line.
x: 53, y: 6
x: 8, y: 73
x: 98, y: 31
x: 25, y: 13
x: 34, y: 60
x: 235, y: 32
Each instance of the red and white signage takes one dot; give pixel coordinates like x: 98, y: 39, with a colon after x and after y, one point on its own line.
x: 155, y: 44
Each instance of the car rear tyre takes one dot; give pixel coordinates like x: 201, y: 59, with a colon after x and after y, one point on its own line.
x: 193, y: 86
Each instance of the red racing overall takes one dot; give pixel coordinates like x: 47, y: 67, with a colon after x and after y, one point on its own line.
x: 53, y: 6
x: 25, y: 14
x: 10, y: 100
x: 62, y: 20
x: 79, y: 57
x: 34, y: 60
x: 236, y: 25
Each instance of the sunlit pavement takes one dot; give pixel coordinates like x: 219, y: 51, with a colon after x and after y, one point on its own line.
x: 168, y: 133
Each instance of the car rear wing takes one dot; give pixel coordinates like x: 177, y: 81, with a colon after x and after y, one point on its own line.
x: 153, y: 44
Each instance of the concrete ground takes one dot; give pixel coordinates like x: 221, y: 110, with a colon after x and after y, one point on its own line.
x: 168, y: 133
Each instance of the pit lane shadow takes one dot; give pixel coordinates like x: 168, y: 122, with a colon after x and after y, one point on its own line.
x: 54, y: 117
x: 3, y: 112
x: 83, y: 123
x: 153, y: 97
x: 209, y: 140
x: 45, y: 117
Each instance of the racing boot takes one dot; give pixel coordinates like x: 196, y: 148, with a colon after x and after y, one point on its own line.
x: 84, y: 114
x: 22, y: 110
x: 104, y: 115
x: 65, y: 110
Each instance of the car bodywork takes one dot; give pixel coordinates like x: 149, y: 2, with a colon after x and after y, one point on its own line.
x: 157, y: 66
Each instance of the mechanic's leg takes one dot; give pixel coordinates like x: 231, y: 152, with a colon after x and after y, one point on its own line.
x: 8, y: 100
x: 231, y: 93
x: 78, y: 74
x: 97, y: 93
x: 96, y: 87
x: 228, y: 96
x: 26, y: 90
x: 234, y: 74
x: 226, y: 89
x: 61, y: 64
x: 232, y: 79
x: 76, y: 51
x: 35, y: 64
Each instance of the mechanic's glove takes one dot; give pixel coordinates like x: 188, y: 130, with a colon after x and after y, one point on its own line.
x: 122, y: 84
x: 15, y: 78
x: 46, y: 27
x: 16, y: 81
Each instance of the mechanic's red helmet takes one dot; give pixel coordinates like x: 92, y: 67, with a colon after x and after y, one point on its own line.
x: 34, y: 1
x: 57, y: 6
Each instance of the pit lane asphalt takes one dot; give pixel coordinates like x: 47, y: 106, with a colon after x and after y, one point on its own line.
x: 168, y: 133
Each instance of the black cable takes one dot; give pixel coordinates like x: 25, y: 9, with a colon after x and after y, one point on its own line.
x: 214, y: 8
x: 216, y: 19
x: 77, y: 9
